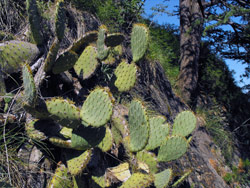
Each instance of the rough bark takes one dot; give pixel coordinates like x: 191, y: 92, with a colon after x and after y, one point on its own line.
x: 191, y: 23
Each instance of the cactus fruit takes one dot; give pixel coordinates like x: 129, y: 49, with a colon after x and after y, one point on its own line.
x: 114, y: 39
x: 102, y: 50
x: 14, y: 53
x: 77, y: 161
x: 163, y: 178
x: 51, y: 57
x: 60, y: 19
x: 139, y: 41
x: 138, y: 180
x: 149, y: 159
x: 107, y: 142
x: 60, y: 142
x: 32, y: 132
x: 184, y: 123
x: 120, y: 172
x: 30, y: 93
x: 34, y: 21
x: 87, y: 137
x: 138, y: 126
x: 60, y: 178
x: 87, y: 63
x: 126, y: 76
x: 64, y: 112
x: 158, y: 132
x: 97, y: 108
x: 172, y: 148
x: 65, y: 62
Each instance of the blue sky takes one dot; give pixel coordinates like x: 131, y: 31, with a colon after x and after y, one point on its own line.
x: 235, y: 66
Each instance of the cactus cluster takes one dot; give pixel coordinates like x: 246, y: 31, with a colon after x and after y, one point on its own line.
x: 78, y: 128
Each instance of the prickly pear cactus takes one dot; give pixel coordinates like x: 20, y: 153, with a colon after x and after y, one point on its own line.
x: 107, y: 142
x: 102, y: 50
x: 59, y: 142
x: 163, y: 178
x: 139, y: 41
x: 87, y: 63
x: 149, y: 159
x: 51, y: 57
x: 126, y: 76
x: 33, y: 132
x: 30, y: 93
x: 97, y: 108
x: 138, y: 126
x: 35, y: 21
x: 60, y: 19
x: 14, y: 53
x: 138, y: 180
x: 114, y: 39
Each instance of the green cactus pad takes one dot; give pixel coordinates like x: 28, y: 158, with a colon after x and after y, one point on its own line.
x: 184, y: 123
x: 159, y: 130
x: 100, y: 181
x: 32, y: 132
x: 138, y: 180
x: 82, y: 43
x: 77, y: 161
x: 120, y: 172
x: 114, y: 39
x: 116, y: 134
x: 60, y: 19
x: 139, y: 41
x: 87, y: 63
x: 107, y: 142
x: 149, y: 159
x: 172, y: 148
x: 51, y: 57
x: 66, y: 132
x: 138, y: 126
x: 30, y: 93
x: 163, y: 178
x: 97, y: 108
x: 126, y: 76
x: 60, y: 142
x: 102, y: 50
x: 87, y: 137
x: 181, y: 179
x: 14, y: 53
x: 34, y: 21
x: 64, y: 112
x: 65, y: 62
x: 60, y: 178
x: 114, y: 55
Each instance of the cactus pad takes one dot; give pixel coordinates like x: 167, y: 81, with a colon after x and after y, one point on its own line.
x: 14, y: 53
x: 30, y: 93
x: 100, y: 181
x: 60, y: 178
x: 126, y: 76
x: 60, y: 142
x: 172, y: 148
x: 114, y: 39
x: 158, y: 132
x: 87, y: 63
x: 181, y: 179
x: 138, y: 180
x: 116, y: 135
x: 97, y: 108
x: 184, y: 123
x: 64, y: 112
x: 138, y: 126
x: 34, y: 21
x: 32, y: 132
x: 120, y: 172
x: 163, y: 178
x: 51, y: 57
x: 87, y: 137
x: 60, y: 20
x: 82, y: 43
x: 66, y: 132
x: 65, y: 62
x: 102, y: 49
x: 107, y: 142
x: 77, y: 161
x: 139, y: 41
x: 114, y: 55
x: 149, y: 159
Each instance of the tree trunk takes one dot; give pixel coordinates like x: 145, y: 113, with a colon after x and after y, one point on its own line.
x: 191, y: 24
